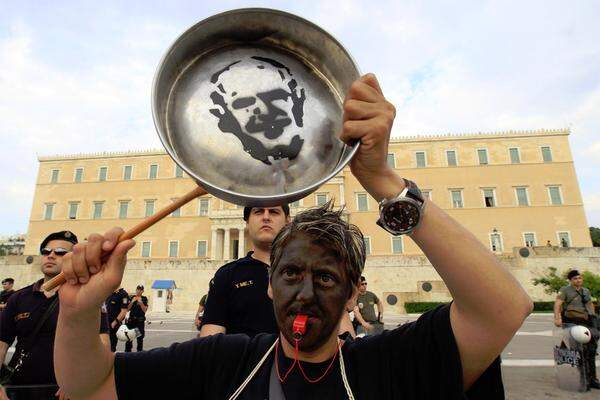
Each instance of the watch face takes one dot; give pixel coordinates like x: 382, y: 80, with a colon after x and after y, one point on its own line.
x: 401, y: 216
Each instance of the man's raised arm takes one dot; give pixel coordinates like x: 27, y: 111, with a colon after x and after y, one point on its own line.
x: 489, y: 304
x: 82, y: 363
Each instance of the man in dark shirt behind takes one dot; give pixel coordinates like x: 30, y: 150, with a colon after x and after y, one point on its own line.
x: 7, y: 291
x: 21, y: 315
x: 117, y: 305
x: 138, y: 305
x: 237, y: 300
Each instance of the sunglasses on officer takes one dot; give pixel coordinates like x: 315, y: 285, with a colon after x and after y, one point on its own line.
x: 58, y: 251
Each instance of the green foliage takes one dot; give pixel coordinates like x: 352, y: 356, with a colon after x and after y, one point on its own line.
x: 595, y: 235
x: 552, y: 282
x: 420, y: 307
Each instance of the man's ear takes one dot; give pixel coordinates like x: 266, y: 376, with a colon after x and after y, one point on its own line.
x: 351, y: 302
x: 270, y: 291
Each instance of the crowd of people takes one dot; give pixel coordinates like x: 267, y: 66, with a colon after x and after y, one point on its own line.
x: 276, y: 323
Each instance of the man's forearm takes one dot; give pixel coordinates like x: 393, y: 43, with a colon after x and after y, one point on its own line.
x: 557, y: 309
x: 82, y: 362
x: 3, y: 350
x: 122, y: 315
x: 479, y: 283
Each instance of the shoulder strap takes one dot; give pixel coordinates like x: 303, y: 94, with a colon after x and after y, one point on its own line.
x: 38, y: 327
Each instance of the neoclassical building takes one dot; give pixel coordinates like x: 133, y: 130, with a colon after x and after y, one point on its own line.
x: 511, y: 189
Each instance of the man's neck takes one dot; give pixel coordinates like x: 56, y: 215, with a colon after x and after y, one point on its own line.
x: 323, y: 353
x: 262, y: 254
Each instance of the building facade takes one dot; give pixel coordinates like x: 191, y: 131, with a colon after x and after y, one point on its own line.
x: 511, y: 189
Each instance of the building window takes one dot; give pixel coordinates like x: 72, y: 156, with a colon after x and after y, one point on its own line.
x: 201, y: 248
x: 529, y: 238
x: 153, y: 172
x: 564, y: 239
x: 397, y: 245
x: 176, y: 213
x: 295, y: 204
x: 546, y: 154
x: 522, y: 197
x: 178, y: 171
x: 482, y: 156
x: 367, y: 245
x: 173, y: 248
x: 451, y: 158
x: 73, y: 207
x: 78, y: 175
x: 127, y: 172
x: 391, y: 160
x: 489, y: 198
x: 149, y: 208
x: 420, y: 159
x: 496, y: 242
x: 515, y: 157
x: 362, y: 202
x: 102, y: 174
x: 146, y: 248
x: 48, y: 211
x: 457, y: 199
x: 555, y: 197
x: 321, y: 198
x: 54, y: 176
x: 123, y: 207
x: 426, y: 194
x: 203, y: 206
x: 98, y: 209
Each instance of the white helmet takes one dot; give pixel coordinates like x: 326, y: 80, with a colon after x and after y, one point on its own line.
x: 125, y: 334
x: 581, y: 334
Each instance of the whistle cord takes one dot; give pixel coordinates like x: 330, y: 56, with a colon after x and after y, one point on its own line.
x: 297, y: 361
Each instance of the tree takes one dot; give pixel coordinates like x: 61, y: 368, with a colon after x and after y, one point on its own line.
x: 552, y: 282
x: 595, y: 235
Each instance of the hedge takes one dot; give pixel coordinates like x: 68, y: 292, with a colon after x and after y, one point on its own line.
x: 543, y: 306
x: 420, y: 307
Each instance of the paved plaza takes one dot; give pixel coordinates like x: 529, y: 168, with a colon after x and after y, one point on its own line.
x: 527, y: 361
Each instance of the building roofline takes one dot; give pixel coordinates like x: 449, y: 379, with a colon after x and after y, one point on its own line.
x: 394, y: 139
x: 482, y: 135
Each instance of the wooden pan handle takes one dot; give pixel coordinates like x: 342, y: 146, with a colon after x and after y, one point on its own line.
x: 139, y: 228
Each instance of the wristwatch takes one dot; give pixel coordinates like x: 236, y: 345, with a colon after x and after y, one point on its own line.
x: 402, y: 214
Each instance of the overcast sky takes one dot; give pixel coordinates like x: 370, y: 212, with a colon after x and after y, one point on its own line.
x: 76, y: 76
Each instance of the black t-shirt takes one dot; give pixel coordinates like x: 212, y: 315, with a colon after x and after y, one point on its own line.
x: 115, y: 303
x: 20, y: 317
x: 238, y: 298
x: 419, y: 360
x: 4, y: 295
x: 136, y: 312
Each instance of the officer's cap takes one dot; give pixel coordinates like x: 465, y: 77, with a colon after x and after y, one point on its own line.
x: 67, y: 236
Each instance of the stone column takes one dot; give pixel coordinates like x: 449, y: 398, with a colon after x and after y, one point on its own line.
x: 241, y: 243
x: 226, y: 255
x: 213, y: 244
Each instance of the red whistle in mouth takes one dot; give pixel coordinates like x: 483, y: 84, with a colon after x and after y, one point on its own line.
x: 299, y: 325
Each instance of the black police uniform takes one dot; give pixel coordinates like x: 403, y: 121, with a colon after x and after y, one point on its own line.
x: 20, y: 317
x: 137, y: 319
x: 238, y: 298
x: 5, y: 295
x: 114, y: 304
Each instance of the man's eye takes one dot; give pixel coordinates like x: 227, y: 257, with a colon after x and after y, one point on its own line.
x: 290, y: 273
x: 326, y: 280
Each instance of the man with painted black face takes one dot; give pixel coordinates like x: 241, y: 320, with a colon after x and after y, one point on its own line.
x: 316, y: 263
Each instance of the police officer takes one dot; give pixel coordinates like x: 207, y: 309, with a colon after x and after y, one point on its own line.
x: 23, y: 312
x: 574, y: 305
x: 138, y: 305
x: 237, y: 300
x: 116, y: 307
x: 7, y: 291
